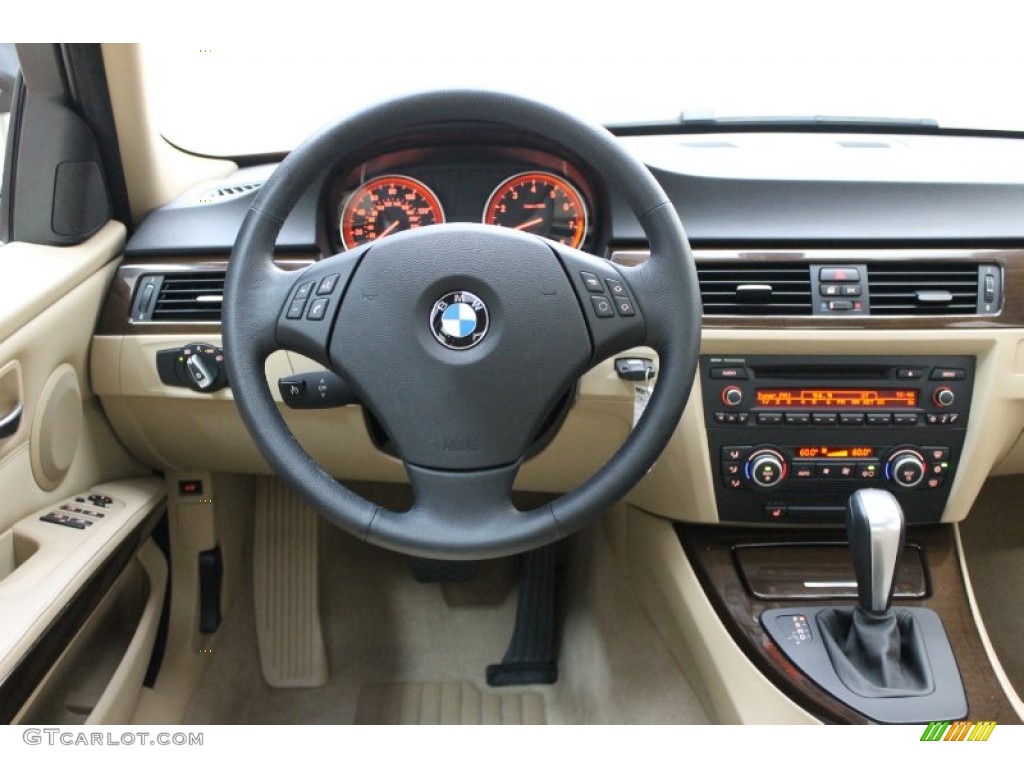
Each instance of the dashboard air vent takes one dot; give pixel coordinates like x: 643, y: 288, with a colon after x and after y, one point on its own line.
x: 218, y: 194
x: 923, y: 289
x: 728, y: 288
x: 189, y: 297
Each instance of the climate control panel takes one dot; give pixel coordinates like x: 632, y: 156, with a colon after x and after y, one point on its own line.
x: 792, y: 437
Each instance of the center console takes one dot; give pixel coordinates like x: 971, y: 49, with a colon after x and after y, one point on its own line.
x: 791, y: 437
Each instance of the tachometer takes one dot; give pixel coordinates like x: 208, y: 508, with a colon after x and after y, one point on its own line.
x: 541, y: 203
x: 386, y: 205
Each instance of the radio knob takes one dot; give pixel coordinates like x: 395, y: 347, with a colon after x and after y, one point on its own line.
x: 732, y: 396
x: 905, y: 468
x: 766, y: 468
x: 944, y: 397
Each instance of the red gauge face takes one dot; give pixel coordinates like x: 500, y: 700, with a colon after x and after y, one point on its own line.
x: 386, y: 205
x: 541, y: 203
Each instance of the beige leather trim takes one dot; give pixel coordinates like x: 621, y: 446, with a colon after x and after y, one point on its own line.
x: 58, y: 335
x: 729, y: 685
x: 155, y: 171
x: 36, y: 591
x: 36, y: 276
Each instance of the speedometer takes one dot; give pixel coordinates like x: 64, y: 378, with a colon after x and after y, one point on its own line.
x: 541, y: 203
x: 386, y: 205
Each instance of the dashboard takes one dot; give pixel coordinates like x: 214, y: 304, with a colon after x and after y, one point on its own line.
x: 824, y: 260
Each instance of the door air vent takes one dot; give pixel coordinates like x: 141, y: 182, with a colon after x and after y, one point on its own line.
x: 923, y: 289
x: 728, y: 288
x: 180, y: 298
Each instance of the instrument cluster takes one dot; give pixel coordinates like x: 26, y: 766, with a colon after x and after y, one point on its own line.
x: 528, y: 190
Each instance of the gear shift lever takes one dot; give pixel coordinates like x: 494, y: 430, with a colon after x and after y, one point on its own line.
x: 874, y: 526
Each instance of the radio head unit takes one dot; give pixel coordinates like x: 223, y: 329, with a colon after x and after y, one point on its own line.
x: 791, y: 437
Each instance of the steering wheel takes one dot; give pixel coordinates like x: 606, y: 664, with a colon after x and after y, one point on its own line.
x: 461, y: 339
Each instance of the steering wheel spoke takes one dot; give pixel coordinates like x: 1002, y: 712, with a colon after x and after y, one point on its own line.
x: 463, y: 514
x: 610, y: 304
x: 310, y: 303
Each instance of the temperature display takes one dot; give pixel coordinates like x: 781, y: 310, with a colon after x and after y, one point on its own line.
x: 830, y: 452
x: 837, y: 398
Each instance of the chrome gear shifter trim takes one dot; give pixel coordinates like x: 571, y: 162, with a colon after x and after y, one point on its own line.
x: 874, y: 524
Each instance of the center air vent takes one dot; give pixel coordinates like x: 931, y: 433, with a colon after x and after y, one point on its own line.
x: 185, y: 297
x: 923, y: 289
x: 728, y: 288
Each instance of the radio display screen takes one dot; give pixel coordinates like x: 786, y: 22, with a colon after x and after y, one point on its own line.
x: 805, y: 397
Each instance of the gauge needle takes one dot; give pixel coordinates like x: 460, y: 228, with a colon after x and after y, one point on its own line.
x: 388, y: 229
x: 530, y: 223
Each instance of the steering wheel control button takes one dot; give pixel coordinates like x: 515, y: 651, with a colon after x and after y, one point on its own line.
x: 624, y: 306
x: 292, y: 390
x: 602, y: 306
x: 616, y: 288
x: 592, y: 282
x: 295, y: 309
x: 459, y: 320
x: 317, y: 309
x: 303, y: 291
x: 327, y: 285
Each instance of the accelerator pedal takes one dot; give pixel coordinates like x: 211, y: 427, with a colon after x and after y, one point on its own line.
x: 286, y: 589
x: 531, y: 658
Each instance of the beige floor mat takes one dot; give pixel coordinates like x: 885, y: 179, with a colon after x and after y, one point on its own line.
x: 382, y: 627
x: 446, y: 704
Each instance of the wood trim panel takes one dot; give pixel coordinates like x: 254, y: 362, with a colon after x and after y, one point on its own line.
x: 115, y: 316
x: 710, y: 551
x: 1012, y: 262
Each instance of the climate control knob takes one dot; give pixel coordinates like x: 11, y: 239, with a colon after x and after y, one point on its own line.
x: 766, y: 468
x: 906, y: 468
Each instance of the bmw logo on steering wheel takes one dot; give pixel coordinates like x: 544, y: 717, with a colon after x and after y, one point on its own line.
x: 459, y: 320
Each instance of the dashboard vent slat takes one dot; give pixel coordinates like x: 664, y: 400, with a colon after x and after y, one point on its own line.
x: 190, y: 297
x: 754, y: 289
x: 923, y: 289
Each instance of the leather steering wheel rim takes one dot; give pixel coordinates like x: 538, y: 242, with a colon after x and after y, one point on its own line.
x: 462, y: 512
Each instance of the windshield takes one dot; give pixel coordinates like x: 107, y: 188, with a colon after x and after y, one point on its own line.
x: 955, y: 66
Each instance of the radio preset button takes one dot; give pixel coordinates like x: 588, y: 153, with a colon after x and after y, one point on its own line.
x: 824, y: 419
x: 769, y: 419
x: 905, y: 419
x: 798, y: 419
x: 879, y: 419
x: 851, y: 419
